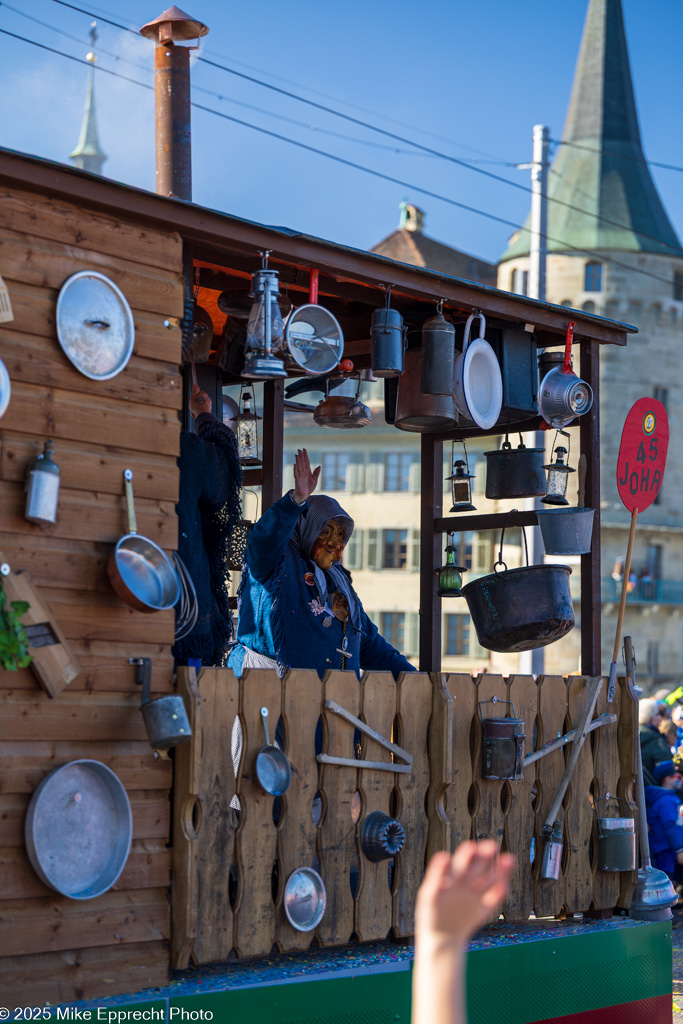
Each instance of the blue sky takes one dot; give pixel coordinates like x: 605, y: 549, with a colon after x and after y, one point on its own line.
x: 469, y: 79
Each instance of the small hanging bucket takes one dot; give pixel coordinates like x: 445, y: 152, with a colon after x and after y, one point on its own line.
x: 616, y: 840
x: 566, y: 531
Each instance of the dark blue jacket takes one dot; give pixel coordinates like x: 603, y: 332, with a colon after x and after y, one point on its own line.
x: 666, y: 834
x: 281, y: 614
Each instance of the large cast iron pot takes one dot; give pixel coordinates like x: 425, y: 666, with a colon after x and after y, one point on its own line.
x: 520, y: 609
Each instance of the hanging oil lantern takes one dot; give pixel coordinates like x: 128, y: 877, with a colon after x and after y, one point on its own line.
x: 450, y: 575
x: 247, y: 430
x: 558, y: 476
x: 461, y: 486
x: 42, y: 488
x: 438, y: 355
x: 265, y: 330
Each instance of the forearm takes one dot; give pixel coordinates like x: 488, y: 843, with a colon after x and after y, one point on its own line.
x: 269, y: 537
x: 439, y: 983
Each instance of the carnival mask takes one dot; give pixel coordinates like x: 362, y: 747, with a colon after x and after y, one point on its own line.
x: 328, y: 545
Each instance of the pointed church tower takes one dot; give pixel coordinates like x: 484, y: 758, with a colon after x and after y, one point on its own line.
x: 88, y: 155
x: 630, y: 269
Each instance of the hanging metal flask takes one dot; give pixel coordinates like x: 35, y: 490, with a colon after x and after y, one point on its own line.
x: 388, y: 341
x: 438, y: 355
x: 42, y: 488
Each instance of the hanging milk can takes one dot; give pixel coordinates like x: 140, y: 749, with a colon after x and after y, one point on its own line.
x: 503, y: 747
x: 438, y: 355
x: 42, y: 487
x: 388, y: 341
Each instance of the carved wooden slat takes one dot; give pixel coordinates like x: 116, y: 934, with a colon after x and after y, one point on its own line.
x: 578, y: 812
x: 464, y: 693
x: 337, y: 834
x: 379, y: 694
x: 186, y: 794
x: 301, y: 708
x: 256, y: 844
x: 440, y: 744
x: 414, y: 695
x: 519, y: 815
x: 628, y: 739
x: 552, y: 702
x: 488, y: 816
x: 606, y: 771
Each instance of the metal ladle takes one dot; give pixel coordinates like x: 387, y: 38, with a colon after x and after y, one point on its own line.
x: 272, y: 767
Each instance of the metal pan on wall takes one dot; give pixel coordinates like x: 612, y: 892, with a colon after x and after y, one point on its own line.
x: 142, y: 575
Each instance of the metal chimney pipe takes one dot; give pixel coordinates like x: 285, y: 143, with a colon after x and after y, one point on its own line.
x: 172, y: 99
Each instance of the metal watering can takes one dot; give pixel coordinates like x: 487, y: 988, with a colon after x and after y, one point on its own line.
x: 503, y: 750
x: 165, y: 718
x: 616, y: 840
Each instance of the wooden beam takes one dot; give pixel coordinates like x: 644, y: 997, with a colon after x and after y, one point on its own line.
x: 431, y: 477
x: 591, y: 607
x: 494, y: 521
x: 273, y: 426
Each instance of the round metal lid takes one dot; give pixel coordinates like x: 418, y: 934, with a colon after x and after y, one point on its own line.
x: 78, y: 829
x: 95, y: 325
x: 5, y: 388
x: 304, y: 899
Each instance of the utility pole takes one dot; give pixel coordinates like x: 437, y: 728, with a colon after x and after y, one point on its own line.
x: 533, y: 661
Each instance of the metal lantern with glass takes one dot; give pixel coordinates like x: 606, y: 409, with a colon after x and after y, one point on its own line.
x: 460, y: 478
x: 247, y: 429
x: 450, y: 575
x: 265, y: 330
x: 558, y: 474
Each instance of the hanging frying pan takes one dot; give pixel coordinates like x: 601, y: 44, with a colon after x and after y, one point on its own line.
x: 272, y: 767
x: 142, y: 575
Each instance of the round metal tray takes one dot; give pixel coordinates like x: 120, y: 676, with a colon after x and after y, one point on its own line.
x: 78, y: 829
x: 95, y: 325
x: 304, y: 899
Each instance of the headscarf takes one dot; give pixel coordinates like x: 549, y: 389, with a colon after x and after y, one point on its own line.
x: 321, y: 509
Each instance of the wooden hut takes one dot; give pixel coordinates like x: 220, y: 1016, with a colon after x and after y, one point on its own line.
x: 54, y: 222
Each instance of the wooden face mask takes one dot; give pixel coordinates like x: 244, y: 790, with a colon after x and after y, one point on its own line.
x: 328, y: 545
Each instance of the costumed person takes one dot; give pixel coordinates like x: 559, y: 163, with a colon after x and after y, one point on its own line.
x: 209, y: 508
x: 297, y: 605
x: 664, y: 822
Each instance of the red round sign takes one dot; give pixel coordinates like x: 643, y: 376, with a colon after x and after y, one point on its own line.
x: 642, y: 454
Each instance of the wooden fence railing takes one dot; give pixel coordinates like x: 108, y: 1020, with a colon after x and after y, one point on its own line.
x: 232, y: 853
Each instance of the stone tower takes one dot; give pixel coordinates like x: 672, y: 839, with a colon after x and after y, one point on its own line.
x: 88, y: 154
x: 612, y: 250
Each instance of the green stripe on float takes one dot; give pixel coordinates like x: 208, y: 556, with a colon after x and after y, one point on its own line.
x: 540, y: 980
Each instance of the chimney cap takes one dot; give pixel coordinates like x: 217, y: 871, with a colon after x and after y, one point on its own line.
x: 172, y: 26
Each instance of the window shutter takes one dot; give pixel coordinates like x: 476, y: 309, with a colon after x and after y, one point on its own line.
x: 288, y: 473
x: 353, y: 552
x: 415, y: 478
x: 355, y: 477
x: 412, y: 635
x: 482, y: 555
x: 479, y: 476
x: 414, y: 550
x: 372, y: 556
x: 376, y: 477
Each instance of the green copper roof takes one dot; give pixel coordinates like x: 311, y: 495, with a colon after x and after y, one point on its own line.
x: 88, y: 155
x: 609, y: 177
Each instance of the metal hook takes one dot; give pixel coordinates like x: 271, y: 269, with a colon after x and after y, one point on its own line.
x: 439, y: 306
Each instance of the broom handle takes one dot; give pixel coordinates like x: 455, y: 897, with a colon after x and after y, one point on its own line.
x: 624, y: 585
x: 640, y: 784
x: 594, y: 685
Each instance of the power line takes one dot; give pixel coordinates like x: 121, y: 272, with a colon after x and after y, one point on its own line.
x: 621, y: 156
x: 349, y: 163
x: 405, y: 141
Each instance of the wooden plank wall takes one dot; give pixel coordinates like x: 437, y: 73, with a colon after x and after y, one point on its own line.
x: 444, y: 801
x: 53, y: 948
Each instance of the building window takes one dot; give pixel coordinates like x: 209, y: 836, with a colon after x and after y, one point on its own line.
x: 334, y: 471
x: 520, y: 281
x: 653, y: 657
x: 678, y: 286
x: 392, y: 628
x: 457, y: 634
x: 394, y: 549
x: 593, y: 277
x: 397, y: 471
x: 661, y: 394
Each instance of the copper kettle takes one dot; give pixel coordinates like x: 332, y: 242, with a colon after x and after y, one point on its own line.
x: 342, y: 411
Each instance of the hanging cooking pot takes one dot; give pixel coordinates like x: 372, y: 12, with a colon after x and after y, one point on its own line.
x: 562, y: 395
x: 342, y: 411
x: 142, y: 575
x: 165, y: 718
x: 515, y: 472
x: 420, y: 413
x: 438, y: 354
x: 477, y: 379
x: 388, y: 341
x: 520, y: 609
x: 272, y: 767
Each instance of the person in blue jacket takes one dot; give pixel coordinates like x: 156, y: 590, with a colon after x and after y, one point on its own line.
x: 297, y: 604
x: 665, y: 826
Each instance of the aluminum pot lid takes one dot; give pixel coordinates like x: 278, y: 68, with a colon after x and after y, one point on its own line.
x: 304, y: 899
x: 95, y: 325
x: 5, y: 388
x: 78, y: 829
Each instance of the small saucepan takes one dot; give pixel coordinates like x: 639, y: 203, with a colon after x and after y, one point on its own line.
x: 272, y: 767
x: 142, y: 575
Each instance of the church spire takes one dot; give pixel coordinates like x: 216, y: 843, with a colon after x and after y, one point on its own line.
x: 601, y: 167
x: 87, y: 155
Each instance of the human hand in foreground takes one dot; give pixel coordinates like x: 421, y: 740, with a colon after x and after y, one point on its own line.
x: 461, y: 893
x: 305, y: 481
x: 199, y: 401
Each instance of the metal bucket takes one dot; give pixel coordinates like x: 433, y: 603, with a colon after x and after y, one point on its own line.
x: 503, y: 747
x: 566, y: 531
x: 515, y: 472
x: 616, y: 841
x: 165, y: 718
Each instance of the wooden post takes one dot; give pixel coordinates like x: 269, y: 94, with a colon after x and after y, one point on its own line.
x: 273, y: 427
x: 431, y: 483
x: 591, y: 590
